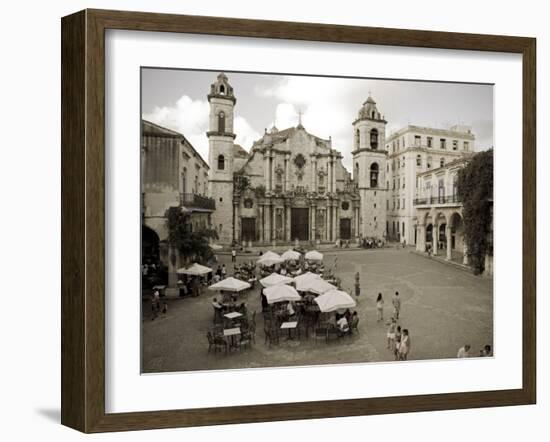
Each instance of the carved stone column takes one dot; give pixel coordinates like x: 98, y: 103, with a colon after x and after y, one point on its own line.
x: 287, y: 221
x: 287, y: 173
x: 313, y: 210
x: 329, y: 175
x: 449, y: 242
x: 420, y: 238
x: 435, y: 238
x: 267, y: 218
x: 261, y: 223
x: 313, y: 173
x: 334, y: 175
x: 466, y: 258
x: 267, y: 170
x: 273, y: 224
x: 334, y: 222
x: 236, y: 219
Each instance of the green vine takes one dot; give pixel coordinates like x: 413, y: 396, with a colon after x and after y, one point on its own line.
x: 259, y: 191
x: 475, y: 189
x: 193, y: 246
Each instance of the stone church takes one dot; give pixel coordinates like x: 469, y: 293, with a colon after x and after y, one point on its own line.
x: 291, y: 185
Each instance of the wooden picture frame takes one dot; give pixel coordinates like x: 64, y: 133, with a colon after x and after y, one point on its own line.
x: 83, y: 217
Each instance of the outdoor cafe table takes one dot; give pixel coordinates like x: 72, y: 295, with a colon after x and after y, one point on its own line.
x: 232, y: 332
x: 289, y: 326
x: 233, y: 315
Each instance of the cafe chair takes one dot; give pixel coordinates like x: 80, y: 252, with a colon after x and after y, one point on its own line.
x: 216, y: 343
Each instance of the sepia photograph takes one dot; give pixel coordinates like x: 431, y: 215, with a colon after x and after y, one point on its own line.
x: 302, y: 220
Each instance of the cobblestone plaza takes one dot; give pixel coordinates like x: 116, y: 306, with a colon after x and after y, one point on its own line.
x: 444, y: 307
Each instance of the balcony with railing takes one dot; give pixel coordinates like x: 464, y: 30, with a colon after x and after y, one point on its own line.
x: 449, y: 200
x: 192, y: 200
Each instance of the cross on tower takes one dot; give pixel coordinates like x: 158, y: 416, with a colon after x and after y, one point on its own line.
x: 300, y: 117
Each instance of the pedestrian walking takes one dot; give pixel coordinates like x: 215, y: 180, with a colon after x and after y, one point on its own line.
x: 396, y: 301
x: 390, y: 335
x: 464, y: 352
x: 397, y: 342
x: 155, y: 304
x: 233, y: 255
x: 224, y: 271
x: 379, y: 308
x: 405, y: 345
x: 486, y: 351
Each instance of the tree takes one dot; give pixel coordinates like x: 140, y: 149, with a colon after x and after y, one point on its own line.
x: 475, y: 189
x: 193, y: 246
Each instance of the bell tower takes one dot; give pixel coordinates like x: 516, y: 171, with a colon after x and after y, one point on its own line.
x: 220, y: 155
x: 369, y: 168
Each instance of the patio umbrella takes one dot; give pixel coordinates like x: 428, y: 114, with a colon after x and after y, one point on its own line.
x: 319, y: 286
x: 275, y: 279
x: 230, y: 285
x: 280, y: 293
x: 270, y: 258
x: 303, y: 281
x: 314, y: 255
x: 334, y: 300
x: 194, y: 269
x: 291, y: 255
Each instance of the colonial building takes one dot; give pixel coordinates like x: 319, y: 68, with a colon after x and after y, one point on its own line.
x: 291, y: 185
x: 412, y: 151
x: 173, y: 174
x: 438, y: 222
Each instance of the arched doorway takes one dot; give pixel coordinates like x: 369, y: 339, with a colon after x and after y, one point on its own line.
x: 429, y: 234
x: 442, y: 238
x: 150, y: 251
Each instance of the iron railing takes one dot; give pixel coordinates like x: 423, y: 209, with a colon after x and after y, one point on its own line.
x: 197, y: 201
x: 449, y: 199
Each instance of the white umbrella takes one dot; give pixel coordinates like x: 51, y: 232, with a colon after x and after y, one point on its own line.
x: 314, y: 255
x: 270, y: 258
x: 275, y: 279
x: 194, y: 269
x: 291, y: 255
x: 230, y: 285
x: 303, y: 281
x: 334, y: 300
x: 319, y: 286
x: 216, y: 247
x: 280, y: 293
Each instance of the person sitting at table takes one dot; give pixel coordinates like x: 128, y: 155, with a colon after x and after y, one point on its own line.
x: 265, y: 304
x: 343, y: 325
x: 242, y: 308
x: 232, y: 304
x: 347, y: 315
x: 290, y: 309
x: 216, y: 304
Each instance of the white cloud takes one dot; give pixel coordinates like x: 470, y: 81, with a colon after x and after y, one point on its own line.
x: 246, y: 134
x: 328, y: 107
x: 190, y: 118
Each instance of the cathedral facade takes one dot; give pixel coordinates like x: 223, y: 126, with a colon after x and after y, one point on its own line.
x: 292, y: 186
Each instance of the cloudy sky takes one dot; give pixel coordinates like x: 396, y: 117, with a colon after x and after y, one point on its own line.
x: 176, y: 99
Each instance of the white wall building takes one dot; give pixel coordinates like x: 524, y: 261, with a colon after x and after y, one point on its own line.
x: 411, y: 151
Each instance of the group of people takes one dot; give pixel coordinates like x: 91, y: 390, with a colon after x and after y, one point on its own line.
x: 398, y: 338
x: 231, y: 305
x: 346, y: 321
x: 464, y: 352
x: 396, y: 303
x: 245, y: 271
